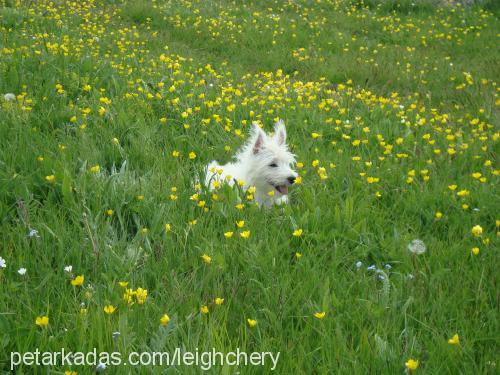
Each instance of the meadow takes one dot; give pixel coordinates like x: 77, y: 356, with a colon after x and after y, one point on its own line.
x: 386, y: 259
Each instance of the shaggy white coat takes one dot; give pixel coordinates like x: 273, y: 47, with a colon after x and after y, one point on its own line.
x: 264, y: 162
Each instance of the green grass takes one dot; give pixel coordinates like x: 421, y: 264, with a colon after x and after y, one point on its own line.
x: 108, y: 90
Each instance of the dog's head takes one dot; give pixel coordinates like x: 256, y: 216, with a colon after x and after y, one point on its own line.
x: 271, y: 160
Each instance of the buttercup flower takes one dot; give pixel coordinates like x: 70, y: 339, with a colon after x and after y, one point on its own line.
x: 477, y: 230
x: 141, y: 295
x: 251, y: 323
x: 164, y: 320
x: 320, y: 315
x: 411, y: 364
x: 78, y: 281
x: 455, y: 340
x: 42, y: 321
x: 206, y: 258
x: 95, y: 169
x: 109, y: 309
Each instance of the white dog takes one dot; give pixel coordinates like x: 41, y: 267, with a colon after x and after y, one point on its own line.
x: 264, y: 162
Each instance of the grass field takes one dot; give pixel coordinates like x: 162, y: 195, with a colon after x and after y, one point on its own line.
x: 108, y: 111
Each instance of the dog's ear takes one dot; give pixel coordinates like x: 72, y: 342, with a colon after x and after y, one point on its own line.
x: 280, y: 133
x: 259, y: 137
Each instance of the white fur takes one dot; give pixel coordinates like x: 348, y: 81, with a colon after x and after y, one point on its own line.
x: 253, y: 166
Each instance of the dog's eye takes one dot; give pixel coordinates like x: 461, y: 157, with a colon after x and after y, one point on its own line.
x: 274, y: 165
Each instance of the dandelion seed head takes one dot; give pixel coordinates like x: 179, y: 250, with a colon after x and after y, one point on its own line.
x: 417, y: 247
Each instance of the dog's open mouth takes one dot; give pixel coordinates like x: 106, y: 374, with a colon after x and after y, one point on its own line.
x: 283, y: 189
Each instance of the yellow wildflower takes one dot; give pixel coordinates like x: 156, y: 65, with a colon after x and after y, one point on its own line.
x: 42, y: 321
x: 78, y: 281
x: 164, y: 320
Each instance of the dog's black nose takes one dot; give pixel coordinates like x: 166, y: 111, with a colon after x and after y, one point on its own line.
x: 291, y: 180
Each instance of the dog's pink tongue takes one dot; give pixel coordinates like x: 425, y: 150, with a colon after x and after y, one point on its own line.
x: 283, y: 189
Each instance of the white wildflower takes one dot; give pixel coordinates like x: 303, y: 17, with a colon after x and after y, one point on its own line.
x: 9, y: 97
x: 100, y: 367
x: 33, y: 233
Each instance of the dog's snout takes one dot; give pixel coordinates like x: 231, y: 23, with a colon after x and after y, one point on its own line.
x: 291, y: 179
